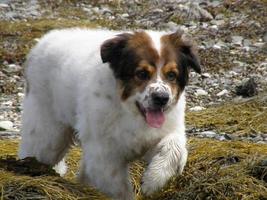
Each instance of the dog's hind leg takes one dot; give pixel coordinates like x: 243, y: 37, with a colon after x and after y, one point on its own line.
x: 43, y: 137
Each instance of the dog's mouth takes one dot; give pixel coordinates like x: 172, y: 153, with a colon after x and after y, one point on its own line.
x: 154, y: 117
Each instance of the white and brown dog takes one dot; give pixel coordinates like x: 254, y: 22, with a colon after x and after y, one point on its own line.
x: 121, y: 93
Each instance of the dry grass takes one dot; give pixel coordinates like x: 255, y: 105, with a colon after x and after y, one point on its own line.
x: 215, y: 170
x: 241, y: 118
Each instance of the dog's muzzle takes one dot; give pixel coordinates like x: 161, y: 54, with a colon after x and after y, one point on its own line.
x: 159, y: 99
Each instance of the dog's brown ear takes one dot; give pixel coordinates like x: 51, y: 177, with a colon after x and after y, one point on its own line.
x: 111, y: 50
x: 187, y: 50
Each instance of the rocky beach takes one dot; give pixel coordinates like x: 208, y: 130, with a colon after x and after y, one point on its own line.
x: 226, y: 114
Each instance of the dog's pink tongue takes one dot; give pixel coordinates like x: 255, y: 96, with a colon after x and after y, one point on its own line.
x: 155, y: 118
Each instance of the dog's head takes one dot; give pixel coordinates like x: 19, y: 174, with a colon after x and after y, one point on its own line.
x: 151, y: 70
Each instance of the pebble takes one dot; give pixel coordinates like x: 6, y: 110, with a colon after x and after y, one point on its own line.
x: 3, y: 5
x: 247, y: 88
x: 209, y: 134
x: 197, y: 108
x: 216, y: 46
x: 206, y: 75
x: 237, y: 40
x: 223, y: 92
x: 172, y: 26
x: 157, y: 10
x: 6, y: 125
x: 201, y: 92
x: 265, y: 37
x: 125, y: 15
x: 218, y: 22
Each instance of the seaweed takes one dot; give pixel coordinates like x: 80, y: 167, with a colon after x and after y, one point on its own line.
x: 215, y: 170
x: 238, y: 118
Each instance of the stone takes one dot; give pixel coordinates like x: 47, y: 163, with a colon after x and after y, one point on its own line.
x: 6, y: 125
x: 3, y: 5
x: 214, y: 28
x: 157, y: 10
x: 218, y: 22
x: 88, y: 10
x: 172, y: 26
x: 201, y: 92
x: 220, y: 137
x: 237, y: 40
x: 197, y: 108
x: 265, y: 37
x: 219, y: 16
x: 209, y: 134
x: 192, y: 11
x: 216, y: 46
x: 206, y: 75
x: 247, y: 42
x: 125, y: 15
x: 222, y: 93
x: 95, y: 9
x: 247, y: 88
x: 106, y: 10
x: 14, y: 68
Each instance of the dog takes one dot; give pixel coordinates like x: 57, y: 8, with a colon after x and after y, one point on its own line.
x: 121, y: 93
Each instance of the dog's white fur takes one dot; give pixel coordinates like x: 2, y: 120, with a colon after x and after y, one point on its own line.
x: 70, y: 88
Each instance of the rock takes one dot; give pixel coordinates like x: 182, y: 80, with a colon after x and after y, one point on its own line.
x: 172, y: 26
x: 88, y: 10
x: 208, y: 43
x: 238, y: 66
x: 218, y: 22
x: 157, y: 10
x: 125, y: 15
x: 3, y: 5
x: 14, y: 68
x: 220, y: 137
x: 265, y: 37
x: 223, y: 92
x: 197, y: 108
x: 106, y: 10
x: 258, y: 44
x: 209, y: 134
x: 216, y: 46
x: 192, y: 11
x: 201, y: 92
x: 6, y: 125
x: 214, y: 28
x: 95, y: 9
x: 247, y: 42
x: 9, y: 134
x: 205, y: 75
x: 247, y: 88
x: 229, y: 137
x: 237, y: 40
x: 219, y: 16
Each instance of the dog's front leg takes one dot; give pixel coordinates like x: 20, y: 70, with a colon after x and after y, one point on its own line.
x: 102, y: 169
x: 168, y: 157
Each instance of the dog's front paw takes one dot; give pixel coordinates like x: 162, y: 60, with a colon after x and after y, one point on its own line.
x: 169, y: 160
x: 152, y: 181
x: 156, y: 175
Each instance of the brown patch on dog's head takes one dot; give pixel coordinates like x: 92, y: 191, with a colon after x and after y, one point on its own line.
x: 135, y: 61
x: 178, y: 53
x: 132, y: 58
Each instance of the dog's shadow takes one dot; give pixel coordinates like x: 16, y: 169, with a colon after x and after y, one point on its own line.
x: 28, y: 166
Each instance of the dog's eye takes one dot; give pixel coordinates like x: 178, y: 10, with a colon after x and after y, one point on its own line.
x: 142, y: 75
x: 171, y: 76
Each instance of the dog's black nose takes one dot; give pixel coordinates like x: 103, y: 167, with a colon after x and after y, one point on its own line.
x: 160, y: 99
